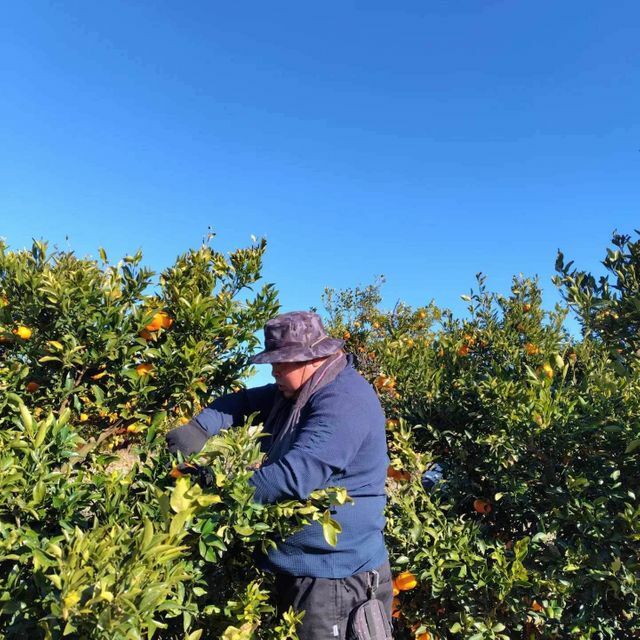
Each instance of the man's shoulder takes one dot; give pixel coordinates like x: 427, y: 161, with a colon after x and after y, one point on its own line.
x: 350, y: 385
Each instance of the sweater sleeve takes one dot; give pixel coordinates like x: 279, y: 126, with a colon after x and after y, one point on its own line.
x: 326, y: 443
x: 231, y: 410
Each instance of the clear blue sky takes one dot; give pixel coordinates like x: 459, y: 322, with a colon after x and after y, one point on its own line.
x: 425, y: 141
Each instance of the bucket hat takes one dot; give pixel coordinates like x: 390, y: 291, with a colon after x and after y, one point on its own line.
x: 296, y: 336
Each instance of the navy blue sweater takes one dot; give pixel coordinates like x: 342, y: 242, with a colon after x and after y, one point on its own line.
x: 340, y: 441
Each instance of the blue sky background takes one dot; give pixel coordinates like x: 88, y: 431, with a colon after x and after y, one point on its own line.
x: 425, y: 141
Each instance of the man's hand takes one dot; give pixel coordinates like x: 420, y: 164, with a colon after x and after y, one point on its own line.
x: 188, y: 439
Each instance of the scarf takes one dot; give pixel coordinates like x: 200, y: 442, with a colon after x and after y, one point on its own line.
x: 285, y: 413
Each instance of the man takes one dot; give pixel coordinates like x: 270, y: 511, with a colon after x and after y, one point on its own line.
x: 326, y: 428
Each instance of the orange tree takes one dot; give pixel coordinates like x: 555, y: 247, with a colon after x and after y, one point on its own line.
x: 97, y: 540
x: 117, y: 346
x: 534, y: 531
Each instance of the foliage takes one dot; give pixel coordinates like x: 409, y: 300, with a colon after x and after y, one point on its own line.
x: 534, y: 531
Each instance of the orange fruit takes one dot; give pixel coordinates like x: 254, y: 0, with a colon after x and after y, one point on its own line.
x: 526, y: 307
x: 383, y: 381
x: 392, y: 423
x: 422, y: 314
x: 531, y: 349
x: 463, y: 350
x: 400, y: 476
x: 424, y: 636
x: 406, y: 581
x: 482, y: 506
x: 548, y: 371
x: 346, y: 335
x: 144, y: 369
x: 32, y: 386
x: 22, y: 332
x: 160, y: 320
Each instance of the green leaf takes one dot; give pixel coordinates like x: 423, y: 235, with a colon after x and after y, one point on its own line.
x: 27, y: 420
x: 330, y: 529
x: 179, y: 502
x: 632, y: 446
x: 243, y: 530
x: 178, y: 522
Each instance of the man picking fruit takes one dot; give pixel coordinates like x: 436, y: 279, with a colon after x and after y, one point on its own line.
x: 326, y: 428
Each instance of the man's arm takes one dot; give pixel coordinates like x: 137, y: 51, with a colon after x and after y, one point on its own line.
x: 226, y: 411
x: 327, y: 442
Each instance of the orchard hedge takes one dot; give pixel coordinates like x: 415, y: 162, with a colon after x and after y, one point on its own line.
x: 534, y: 531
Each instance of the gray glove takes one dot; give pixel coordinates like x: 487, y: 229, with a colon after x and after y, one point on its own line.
x: 188, y: 439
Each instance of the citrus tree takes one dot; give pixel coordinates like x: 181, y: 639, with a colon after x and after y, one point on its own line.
x: 98, y: 537
x: 533, y: 531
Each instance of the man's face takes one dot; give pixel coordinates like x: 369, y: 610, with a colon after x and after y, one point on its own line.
x: 290, y: 376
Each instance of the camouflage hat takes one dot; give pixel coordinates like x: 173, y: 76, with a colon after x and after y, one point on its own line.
x: 296, y: 336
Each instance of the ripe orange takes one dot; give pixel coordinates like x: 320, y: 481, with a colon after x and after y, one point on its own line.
x: 32, y: 386
x: 22, y: 332
x: 346, y: 335
x: 144, y: 369
x: 531, y: 349
x: 406, y: 581
x: 482, y: 506
x: 422, y: 314
x: 400, y: 476
x: 536, y: 606
x: 161, y: 320
x: 383, y: 381
x: 548, y: 371
x: 463, y: 350
x: 424, y: 636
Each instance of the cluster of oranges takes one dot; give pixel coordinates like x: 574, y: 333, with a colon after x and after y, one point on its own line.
x: 160, y: 320
x: 404, y: 581
x: 469, y: 343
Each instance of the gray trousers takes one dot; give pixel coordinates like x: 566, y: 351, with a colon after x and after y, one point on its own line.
x: 327, y: 602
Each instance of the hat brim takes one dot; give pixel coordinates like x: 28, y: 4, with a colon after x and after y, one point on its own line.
x: 296, y: 353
